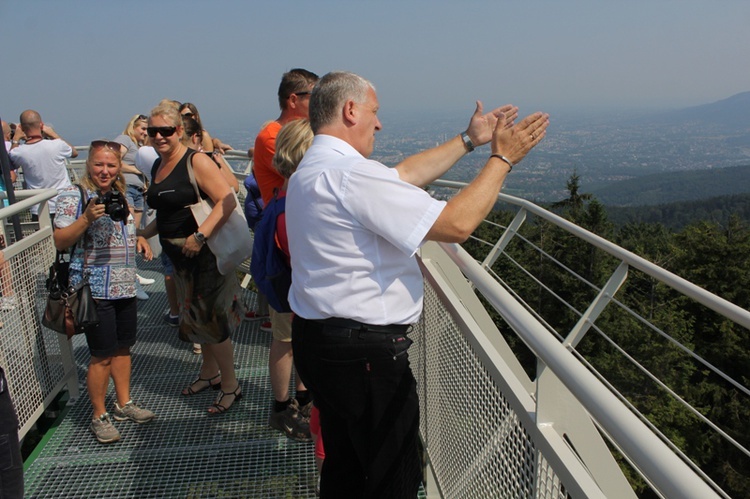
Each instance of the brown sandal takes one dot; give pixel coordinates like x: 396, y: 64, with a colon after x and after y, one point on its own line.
x: 191, y: 391
x: 220, y: 408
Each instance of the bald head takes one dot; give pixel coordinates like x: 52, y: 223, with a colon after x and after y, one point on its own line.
x: 31, y: 121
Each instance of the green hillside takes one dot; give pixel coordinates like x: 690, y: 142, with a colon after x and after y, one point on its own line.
x: 683, y: 186
x: 680, y: 214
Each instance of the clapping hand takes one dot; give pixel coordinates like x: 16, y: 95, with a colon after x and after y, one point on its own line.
x: 482, y: 126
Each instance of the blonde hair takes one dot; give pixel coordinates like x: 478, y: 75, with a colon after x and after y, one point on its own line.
x: 130, y: 127
x: 119, y: 183
x: 292, y: 142
x: 169, y: 112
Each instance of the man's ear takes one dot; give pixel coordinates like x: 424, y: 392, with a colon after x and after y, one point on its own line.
x: 350, y: 112
x: 292, y: 101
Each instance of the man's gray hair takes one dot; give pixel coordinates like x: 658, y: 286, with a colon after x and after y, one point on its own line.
x: 330, y: 94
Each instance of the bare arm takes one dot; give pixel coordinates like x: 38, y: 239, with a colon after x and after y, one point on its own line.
x: 207, y: 142
x: 148, y: 231
x: 221, y: 146
x: 468, y: 208
x: 227, y: 171
x: 216, y: 187
x: 421, y: 169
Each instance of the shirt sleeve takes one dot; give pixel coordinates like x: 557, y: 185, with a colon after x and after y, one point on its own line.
x: 66, y: 210
x: 65, y: 150
x: 399, y: 212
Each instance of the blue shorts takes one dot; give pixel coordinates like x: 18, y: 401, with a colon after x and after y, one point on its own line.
x: 134, y: 195
x: 167, y: 264
x: 116, y: 329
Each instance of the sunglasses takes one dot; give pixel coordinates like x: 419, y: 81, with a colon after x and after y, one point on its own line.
x: 140, y: 117
x: 115, y: 146
x: 302, y: 93
x: 164, y: 131
x: 187, y: 115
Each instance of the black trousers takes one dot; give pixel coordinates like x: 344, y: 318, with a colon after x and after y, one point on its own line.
x: 11, y: 464
x: 363, y: 386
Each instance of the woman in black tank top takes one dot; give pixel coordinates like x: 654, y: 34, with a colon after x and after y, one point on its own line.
x: 210, y: 310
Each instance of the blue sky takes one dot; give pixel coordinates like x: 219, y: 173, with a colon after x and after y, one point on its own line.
x: 87, y: 66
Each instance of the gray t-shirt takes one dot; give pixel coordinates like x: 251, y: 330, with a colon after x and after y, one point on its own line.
x: 129, y: 158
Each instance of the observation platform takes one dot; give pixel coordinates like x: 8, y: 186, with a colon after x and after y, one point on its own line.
x: 185, y: 452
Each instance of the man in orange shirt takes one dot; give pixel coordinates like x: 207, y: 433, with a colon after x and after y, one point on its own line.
x: 288, y: 415
x: 294, y: 98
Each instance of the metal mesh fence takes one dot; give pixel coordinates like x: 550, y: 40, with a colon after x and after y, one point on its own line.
x: 475, y: 443
x: 29, y: 353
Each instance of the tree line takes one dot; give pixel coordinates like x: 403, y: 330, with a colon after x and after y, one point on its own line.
x: 562, y: 275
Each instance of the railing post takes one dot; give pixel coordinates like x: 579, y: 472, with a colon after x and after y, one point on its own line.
x: 606, y: 294
x: 505, y: 239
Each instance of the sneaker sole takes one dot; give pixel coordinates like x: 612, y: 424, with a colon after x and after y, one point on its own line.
x: 105, y: 441
x: 126, y: 418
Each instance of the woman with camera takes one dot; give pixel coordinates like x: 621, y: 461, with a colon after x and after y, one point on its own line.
x: 210, y: 308
x: 100, y: 226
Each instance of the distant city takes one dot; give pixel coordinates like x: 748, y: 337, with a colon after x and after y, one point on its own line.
x: 602, y: 150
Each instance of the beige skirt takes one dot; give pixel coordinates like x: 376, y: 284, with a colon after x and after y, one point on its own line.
x: 210, y: 305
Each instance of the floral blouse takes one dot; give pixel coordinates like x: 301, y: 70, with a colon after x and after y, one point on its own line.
x: 105, y: 253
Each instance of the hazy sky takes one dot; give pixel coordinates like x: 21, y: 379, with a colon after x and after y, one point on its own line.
x: 87, y: 66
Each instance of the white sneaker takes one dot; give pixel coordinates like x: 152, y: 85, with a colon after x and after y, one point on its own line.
x: 144, y: 281
x: 139, y: 293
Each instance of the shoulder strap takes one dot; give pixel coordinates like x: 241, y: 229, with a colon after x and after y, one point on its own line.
x: 81, y: 206
x: 191, y: 176
x: 82, y: 203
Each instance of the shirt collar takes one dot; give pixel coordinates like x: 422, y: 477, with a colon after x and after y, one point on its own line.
x: 337, y: 144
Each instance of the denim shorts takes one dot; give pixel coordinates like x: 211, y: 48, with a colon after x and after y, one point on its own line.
x: 134, y: 195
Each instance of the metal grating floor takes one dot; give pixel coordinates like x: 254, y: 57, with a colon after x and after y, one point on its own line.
x: 184, y: 452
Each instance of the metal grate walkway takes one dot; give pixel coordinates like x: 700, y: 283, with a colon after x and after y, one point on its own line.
x: 184, y: 452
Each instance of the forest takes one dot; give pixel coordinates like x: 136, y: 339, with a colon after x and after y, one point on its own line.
x: 712, y: 254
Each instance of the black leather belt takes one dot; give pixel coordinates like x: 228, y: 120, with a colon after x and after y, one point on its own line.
x: 361, y: 326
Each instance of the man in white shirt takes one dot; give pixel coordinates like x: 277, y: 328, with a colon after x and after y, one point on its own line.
x: 42, y: 161
x: 354, y: 226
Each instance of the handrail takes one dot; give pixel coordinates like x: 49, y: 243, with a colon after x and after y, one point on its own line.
x: 715, y: 303
x: 670, y: 474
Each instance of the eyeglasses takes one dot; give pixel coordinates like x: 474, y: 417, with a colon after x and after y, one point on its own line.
x: 115, y: 146
x: 164, y: 131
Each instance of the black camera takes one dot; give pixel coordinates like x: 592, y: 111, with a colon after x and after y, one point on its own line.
x: 114, y: 205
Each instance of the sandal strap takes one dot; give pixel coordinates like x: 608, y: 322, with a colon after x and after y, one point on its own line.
x: 219, y: 407
x: 198, y: 380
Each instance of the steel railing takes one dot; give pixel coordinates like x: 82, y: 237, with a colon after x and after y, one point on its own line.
x: 491, y: 426
x: 560, y: 414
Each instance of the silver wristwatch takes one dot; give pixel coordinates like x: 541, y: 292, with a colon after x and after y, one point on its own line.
x: 468, y: 144
x: 198, y: 235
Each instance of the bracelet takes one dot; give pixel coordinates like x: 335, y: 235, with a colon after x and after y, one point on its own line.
x: 503, y: 158
x: 468, y: 144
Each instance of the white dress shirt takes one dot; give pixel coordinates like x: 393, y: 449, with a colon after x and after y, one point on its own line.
x: 354, y: 227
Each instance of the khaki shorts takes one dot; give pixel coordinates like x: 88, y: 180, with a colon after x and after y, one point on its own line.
x: 281, y: 325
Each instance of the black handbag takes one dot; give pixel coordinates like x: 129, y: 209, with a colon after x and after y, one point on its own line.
x: 70, y: 310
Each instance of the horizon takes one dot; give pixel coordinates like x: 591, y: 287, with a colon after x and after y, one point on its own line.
x: 87, y: 67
